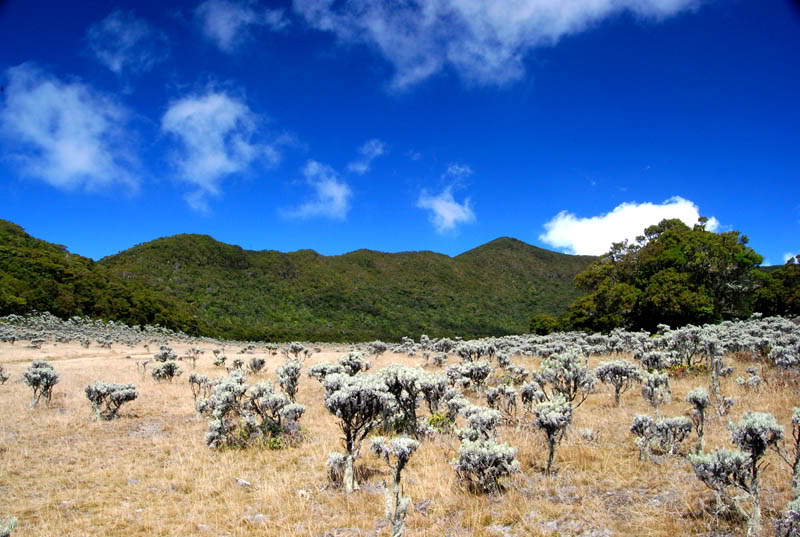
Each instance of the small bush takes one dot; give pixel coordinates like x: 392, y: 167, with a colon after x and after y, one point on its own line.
x: 41, y: 377
x: 166, y: 371
x: 482, y: 463
x: 106, y: 399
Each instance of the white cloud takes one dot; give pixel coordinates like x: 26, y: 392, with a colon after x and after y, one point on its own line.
x: 787, y: 256
x: 228, y: 22
x: 331, y: 196
x: 64, y: 132
x: 446, y: 212
x: 368, y: 152
x: 457, y: 172
x: 484, y: 41
x: 215, y: 131
x: 594, y: 235
x: 122, y: 41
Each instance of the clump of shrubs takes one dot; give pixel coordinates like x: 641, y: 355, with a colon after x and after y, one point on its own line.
x: 107, y: 398
x: 41, y: 377
x: 242, y: 415
x: 166, y: 371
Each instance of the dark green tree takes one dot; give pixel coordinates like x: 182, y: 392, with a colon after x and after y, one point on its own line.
x: 672, y: 274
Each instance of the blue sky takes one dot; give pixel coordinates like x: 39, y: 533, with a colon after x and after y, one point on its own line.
x: 439, y: 125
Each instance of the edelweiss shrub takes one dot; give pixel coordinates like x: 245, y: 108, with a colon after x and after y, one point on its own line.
x: 200, y: 385
x: 7, y: 526
x: 698, y: 397
x: 569, y: 375
x: 3, y: 375
x: 753, y: 435
x: 656, y: 389
x: 433, y: 388
x: 359, y: 402
x: 256, y: 365
x: 474, y: 374
x: 272, y: 416
x: 289, y: 377
x: 106, y: 399
x: 553, y: 418
x: 671, y: 432
x: 481, y: 423
x: 166, y: 371
x: 789, y: 524
x: 41, y: 377
x: 504, y: 399
x: 241, y: 415
x: 532, y: 393
x: 643, y: 429
x: 377, y: 348
x: 322, y: 370
x: 405, y: 385
x: 721, y: 470
x: 165, y: 354
x: 620, y: 374
x: 353, y: 363
x: 482, y: 463
x: 399, y: 450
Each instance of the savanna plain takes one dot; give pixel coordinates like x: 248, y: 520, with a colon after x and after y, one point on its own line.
x: 150, y: 472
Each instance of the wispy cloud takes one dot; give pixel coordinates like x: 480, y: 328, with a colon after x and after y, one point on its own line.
x: 445, y: 212
x: 216, y: 132
x: 368, y: 152
x: 331, y: 197
x: 124, y: 42
x: 228, y: 23
x: 457, y: 172
x: 485, y: 42
x: 65, y: 133
x: 594, y: 235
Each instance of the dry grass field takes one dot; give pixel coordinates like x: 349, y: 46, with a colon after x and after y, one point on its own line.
x: 149, y: 473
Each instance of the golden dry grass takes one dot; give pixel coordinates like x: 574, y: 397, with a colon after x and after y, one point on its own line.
x: 149, y: 472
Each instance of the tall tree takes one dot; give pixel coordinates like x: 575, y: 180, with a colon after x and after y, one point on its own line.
x: 671, y: 274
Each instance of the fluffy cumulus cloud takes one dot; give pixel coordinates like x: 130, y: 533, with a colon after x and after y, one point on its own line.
x: 445, y: 212
x: 594, y: 235
x: 484, y: 41
x: 228, y: 23
x: 331, y: 197
x: 368, y: 152
x: 65, y: 133
x: 788, y: 255
x: 216, y: 133
x: 124, y: 42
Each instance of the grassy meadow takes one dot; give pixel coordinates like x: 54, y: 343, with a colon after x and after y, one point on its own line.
x: 149, y: 473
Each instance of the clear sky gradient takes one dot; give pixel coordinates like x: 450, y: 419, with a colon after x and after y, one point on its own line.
x: 441, y: 125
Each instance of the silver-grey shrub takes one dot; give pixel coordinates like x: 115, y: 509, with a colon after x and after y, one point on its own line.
x: 699, y: 399
x: 3, y: 376
x: 656, y: 389
x: 789, y: 524
x: 41, y: 377
x: 7, y: 526
x: 569, y: 375
x: 753, y: 435
x: 166, y: 371
x: 359, y: 403
x: 399, y: 449
x: 553, y: 418
x: 289, y: 377
x: 621, y: 374
x: 405, y: 385
x: 482, y: 463
x: 107, y: 398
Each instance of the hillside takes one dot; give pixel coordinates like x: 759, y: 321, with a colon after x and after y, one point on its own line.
x: 38, y: 275
x: 491, y: 290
